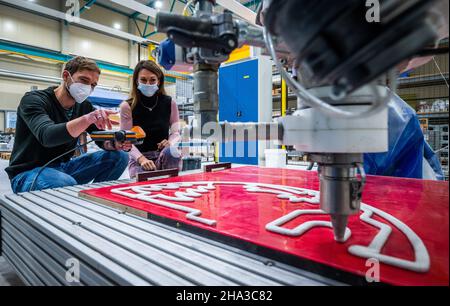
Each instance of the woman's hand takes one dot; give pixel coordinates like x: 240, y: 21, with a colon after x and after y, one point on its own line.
x: 146, y: 164
x: 163, y: 144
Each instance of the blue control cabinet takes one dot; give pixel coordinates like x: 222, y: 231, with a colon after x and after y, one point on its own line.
x: 238, y: 102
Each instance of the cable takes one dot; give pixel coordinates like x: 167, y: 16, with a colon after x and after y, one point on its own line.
x: 54, y: 159
x: 441, y: 149
x: 432, y: 52
x: 186, y: 7
x: 439, y: 68
x: 313, y: 101
x: 362, y: 172
x: 310, y: 166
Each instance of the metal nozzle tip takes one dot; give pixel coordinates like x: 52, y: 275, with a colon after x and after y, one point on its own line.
x: 339, y: 223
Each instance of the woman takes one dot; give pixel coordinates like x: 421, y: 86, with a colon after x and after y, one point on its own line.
x: 156, y: 113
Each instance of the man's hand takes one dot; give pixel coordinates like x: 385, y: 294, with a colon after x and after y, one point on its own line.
x: 146, y: 164
x: 163, y: 144
x: 100, y: 118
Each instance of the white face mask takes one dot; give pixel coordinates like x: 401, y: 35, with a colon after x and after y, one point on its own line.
x: 148, y: 90
x: 79, y: 91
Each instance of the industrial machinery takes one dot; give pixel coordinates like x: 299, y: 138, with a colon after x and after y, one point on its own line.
x: 344, y: 52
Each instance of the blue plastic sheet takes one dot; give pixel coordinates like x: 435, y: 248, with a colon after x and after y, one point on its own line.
x: 407, y: 146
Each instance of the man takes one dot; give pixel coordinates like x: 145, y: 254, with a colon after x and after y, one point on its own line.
x: 49, y: 123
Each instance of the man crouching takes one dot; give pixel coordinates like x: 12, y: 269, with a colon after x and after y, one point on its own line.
x: 49, y: 123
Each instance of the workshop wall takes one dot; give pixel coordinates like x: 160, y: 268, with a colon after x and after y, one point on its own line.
x: 98, y: 46
x: 33, y: 30
x: 11, y: 91
x: 105, y: 17
x: 30, y: 29
x: 2, y: 121
x: 31, y: 66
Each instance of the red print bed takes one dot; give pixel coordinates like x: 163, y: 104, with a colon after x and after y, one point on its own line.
x: 403, y: 224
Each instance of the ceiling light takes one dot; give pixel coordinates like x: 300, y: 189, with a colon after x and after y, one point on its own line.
x: 158, y: 4
x: 9, y: 26
x: 86, y: 44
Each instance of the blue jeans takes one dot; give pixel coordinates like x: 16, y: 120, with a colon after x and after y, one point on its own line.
x: 97, y: 167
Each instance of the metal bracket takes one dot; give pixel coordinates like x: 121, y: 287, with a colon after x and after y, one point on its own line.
x: 145, y: 176
x: 221, y: 166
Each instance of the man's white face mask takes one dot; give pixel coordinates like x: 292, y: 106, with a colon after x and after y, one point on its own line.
x: 79, y: 91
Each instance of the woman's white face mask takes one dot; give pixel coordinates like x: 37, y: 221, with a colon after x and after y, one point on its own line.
x: 79, y: 91
x: 148, y: 90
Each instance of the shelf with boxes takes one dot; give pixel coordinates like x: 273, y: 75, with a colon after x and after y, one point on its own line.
x: 435, y: 128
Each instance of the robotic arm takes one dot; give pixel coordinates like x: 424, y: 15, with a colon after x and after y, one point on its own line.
x: 342, y: 50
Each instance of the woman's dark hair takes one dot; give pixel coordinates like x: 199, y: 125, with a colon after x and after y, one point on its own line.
x: 152, y: 67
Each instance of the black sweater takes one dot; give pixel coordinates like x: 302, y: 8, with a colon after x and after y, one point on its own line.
x: 41, y: 132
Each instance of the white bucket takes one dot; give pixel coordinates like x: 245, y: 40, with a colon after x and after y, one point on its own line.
x: 275, y: 158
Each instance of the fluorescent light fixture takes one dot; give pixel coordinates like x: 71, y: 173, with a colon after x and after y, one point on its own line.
x: 158, y: 4
x: 9, y: 26
x: 86, y: 44
x: 117, y: 26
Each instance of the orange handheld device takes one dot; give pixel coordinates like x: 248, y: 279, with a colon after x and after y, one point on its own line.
x: 136, y: 135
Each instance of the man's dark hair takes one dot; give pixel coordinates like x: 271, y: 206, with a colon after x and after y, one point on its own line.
x: 80, y: 63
